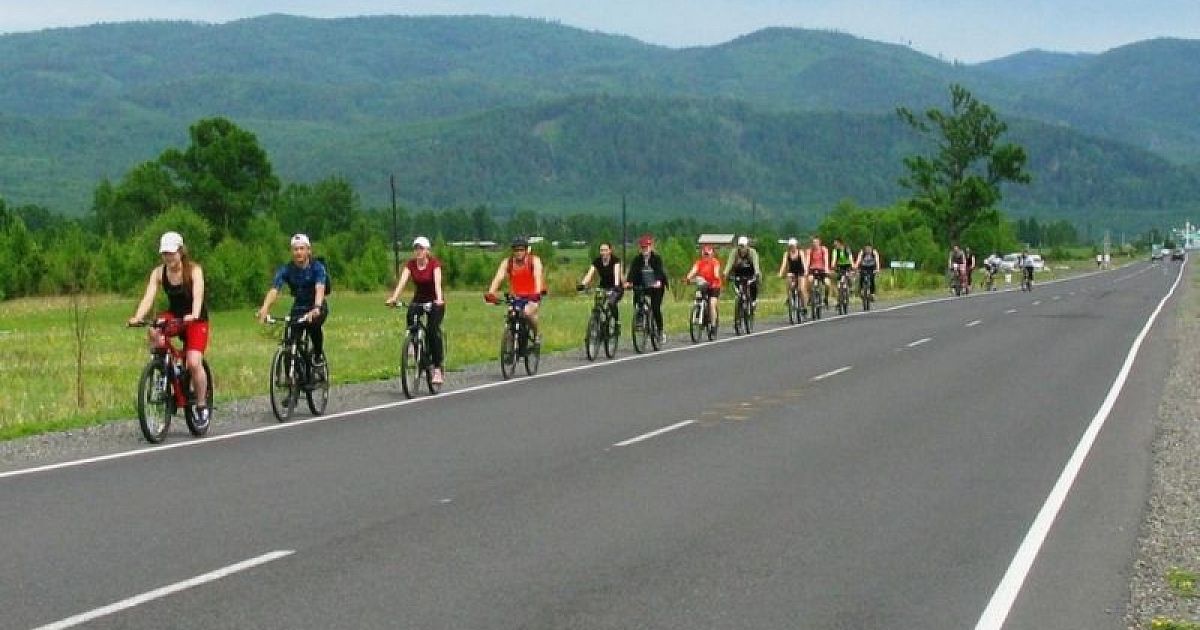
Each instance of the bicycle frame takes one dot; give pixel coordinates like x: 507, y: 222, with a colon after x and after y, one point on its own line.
x: 172, y: 357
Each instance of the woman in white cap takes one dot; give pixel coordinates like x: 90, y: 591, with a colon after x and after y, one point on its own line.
x: 426, y: 274
x: 307, y: 279
x: 182, y: 280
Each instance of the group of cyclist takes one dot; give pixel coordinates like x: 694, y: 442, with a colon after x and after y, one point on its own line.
x: 808, y: 269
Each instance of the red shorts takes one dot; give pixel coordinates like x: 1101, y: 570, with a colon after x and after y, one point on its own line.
x: 193, y: 333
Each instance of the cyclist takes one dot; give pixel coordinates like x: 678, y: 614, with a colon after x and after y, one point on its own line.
x: 708, y: 267
x: 182, y: 280
x: 991, y: 265
x: 842, y: 260
x: 867, y: 263
x: 793, y: 266
x: 970, y: 258
x: 525, y: 281
x: 957, y: 262
x: 306, y: 278
x: 426, y: 274
x: 606, y: 266
x: 743, y: 267
x: 817, y: 261
x: 1025, y: 262
x: 646, y: 273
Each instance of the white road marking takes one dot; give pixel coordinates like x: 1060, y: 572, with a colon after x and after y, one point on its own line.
x: 170, y: 589
x: 919, y: 342
x: 1010, y: 585
x: 647, y: 436
x: 1057, y: 297
x: 973, y: 323
x: 826, y: 375
x: 292, y: 424
x: 1010, y: 311
x: 1036, y: 302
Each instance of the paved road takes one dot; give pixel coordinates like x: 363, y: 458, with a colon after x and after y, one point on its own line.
x: 879, y: 471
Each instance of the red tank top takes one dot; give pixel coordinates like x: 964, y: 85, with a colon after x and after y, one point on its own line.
x: 520, y: 277
x: 816, y: 258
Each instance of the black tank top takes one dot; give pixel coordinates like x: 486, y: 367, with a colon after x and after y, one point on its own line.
x: 179, y: 298
x: 795, y: 265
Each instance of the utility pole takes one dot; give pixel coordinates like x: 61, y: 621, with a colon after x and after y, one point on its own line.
x: 395, y: 230
x: 624, y: 233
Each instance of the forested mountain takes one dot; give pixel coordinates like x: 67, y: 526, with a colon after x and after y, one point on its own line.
x: 509, y: 111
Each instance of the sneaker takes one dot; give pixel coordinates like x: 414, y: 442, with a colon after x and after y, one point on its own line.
x: 437, y: 378
x: 202, y: 416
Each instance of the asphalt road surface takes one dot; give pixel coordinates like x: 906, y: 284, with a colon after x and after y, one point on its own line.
x: 872, y: 471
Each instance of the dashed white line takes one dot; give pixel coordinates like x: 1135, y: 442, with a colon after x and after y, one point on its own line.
x: 170, y: 589
x: 919, y: 342
x: 973, y: 323
x: 1057, y: 297
x: 821, y: 377
x: 647, y: 436
x: 1010, y: 311
x: 1036, y: 302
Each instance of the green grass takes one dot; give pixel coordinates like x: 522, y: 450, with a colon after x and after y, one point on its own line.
x: 1182, y: 582
x: 37, y: 346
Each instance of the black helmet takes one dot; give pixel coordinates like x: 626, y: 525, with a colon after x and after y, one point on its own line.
x: 520, y: 241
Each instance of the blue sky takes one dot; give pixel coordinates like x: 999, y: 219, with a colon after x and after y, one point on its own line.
x: 965, y: 30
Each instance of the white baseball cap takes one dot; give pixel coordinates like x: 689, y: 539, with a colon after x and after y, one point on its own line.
x: 170, y: 243
x: 301, y: 239
x: 792, y: 242
x: 743, y: 240
x: 421, y: 241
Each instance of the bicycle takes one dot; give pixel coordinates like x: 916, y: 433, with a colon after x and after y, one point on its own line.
x: 743, y: 308
x: 1027, y: 278
x: 843, y: 293
x: 165, y: 385
x: 795, y: 302
x: 515, y: 343
x: 603, y: 328
x: 989, y: 280
x: 645, y: 329
x: 864, y: 289
x: 292, y: 371
x: 816, y: 294
x: 701, y: 324
x: 957, y: 281
x: 416, y: 360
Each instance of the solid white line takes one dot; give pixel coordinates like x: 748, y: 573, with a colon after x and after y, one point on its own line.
x: 919, y: 342
x: 170, y: 589
x: 291, y: 424
x: 1010, y: 586
x: 647, y: 436
x: 973, y: 323
x: 826, y: 375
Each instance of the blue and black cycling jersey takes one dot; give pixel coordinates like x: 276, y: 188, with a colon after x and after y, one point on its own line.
x: 302, y: 282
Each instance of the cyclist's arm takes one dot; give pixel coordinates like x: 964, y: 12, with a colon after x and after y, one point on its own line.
x: 758, y: 274
x: 148, y: 297
x: 587, y: 277
x: 616, y: 275
x: 501, y: 271
x: 728, y: 264
x: 265, y: 309
x: 438, y: 296
x: 783, y: 264
x: 404, y: 276
x: 197, y: 292
x: 656, y: 263
x: 539, y: 280
x: 692, y: 272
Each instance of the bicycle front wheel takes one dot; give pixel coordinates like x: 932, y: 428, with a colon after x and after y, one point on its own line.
x: 284, y: 388
x: 748, y: 318
x: 653, y: 332
x: 533, y: 357
x: 508, y: 354
x: 154, y: 410
x: 591, y: 340
x: 318, y: 391
x: 738, y: 316
x: 793, y: 308
x: 410, y: 365
x: 611, y: 336
x: 196, y: 425
x: 639, y: 331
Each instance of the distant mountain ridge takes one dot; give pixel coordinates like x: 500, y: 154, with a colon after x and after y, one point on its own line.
x: 78, y: 104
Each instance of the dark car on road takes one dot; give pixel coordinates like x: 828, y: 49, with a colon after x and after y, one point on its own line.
x: 1177, y: 253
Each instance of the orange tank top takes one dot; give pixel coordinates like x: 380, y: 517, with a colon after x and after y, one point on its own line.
x: 710, y: 270
x: 520, y: 277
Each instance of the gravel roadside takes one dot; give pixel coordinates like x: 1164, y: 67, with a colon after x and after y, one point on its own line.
x: 1170, y: 531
